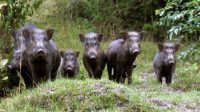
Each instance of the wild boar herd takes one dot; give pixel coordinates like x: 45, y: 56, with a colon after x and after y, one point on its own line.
x: 37, y: 58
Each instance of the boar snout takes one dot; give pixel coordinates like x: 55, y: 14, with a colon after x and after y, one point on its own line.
x: 171, y: 63
x: 68, y: 68
x: 41, y: 52
x: 92, y: 56
x: 136, y: 51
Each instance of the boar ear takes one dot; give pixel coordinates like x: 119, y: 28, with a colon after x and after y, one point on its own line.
x: 160, y: 46
x: 100, y: 36
x: 77, y: 53
x: 62, y: 53
x: 50, y: 33
x: 124, y: 35
x: 26, y: 33
x: 82, y: 38
x: 177, y: 47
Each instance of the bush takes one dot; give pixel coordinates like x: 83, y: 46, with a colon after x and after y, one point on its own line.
x: 182, y: 18
x: 110, y: 16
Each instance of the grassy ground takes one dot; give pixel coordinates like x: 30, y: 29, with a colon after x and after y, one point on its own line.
x: 84, y: 94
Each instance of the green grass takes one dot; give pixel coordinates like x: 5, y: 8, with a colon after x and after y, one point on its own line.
x: 76, y: 95
x: 101, y: 95
x: 84, y: 94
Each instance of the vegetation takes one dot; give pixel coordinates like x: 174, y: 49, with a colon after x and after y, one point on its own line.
x: 75, y: 95
x: 182, y: 18
x: 111, y: 16
x: 84, y: 94
x: 101, y: 95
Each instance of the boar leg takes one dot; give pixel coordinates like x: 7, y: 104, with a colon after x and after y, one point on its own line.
x: 53, y: 75
x: 88, y: 68
x: 120, y: 72
x: 109, y: 67
x: 129, y: 74
x: 158, y: 75
x: 27, y: 78
x: 168, y: 79
x: 123, y: 78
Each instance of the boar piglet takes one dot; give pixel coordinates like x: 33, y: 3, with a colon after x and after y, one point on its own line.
x: 165, y: 61
x: 69, y: 64
x: 94, y: 58
x: 121, y: 55
x: 42, y: 56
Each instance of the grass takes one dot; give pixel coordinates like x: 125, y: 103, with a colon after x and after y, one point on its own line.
x: 84, y: 94
x: 76, y: 95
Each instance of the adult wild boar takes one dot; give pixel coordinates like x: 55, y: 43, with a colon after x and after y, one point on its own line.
x: 69, y: 64
x: 94, y: 58
x: 165, y: 61
x: 121, y: 55
x: 17, y: 63
x: 19, y: 46
x: 41, y: 56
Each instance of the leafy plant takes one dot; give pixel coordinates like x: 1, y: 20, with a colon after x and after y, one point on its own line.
x: 2, y: 69
x: 191, y: 53
x: 109, y: 16
x: 3, y: 77
x: 182, y: 18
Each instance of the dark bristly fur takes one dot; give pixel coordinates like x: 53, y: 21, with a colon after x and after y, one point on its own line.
x: 121, y: 55
x: 69, y: 64
x: 94, y: 58
x: 165, y: 61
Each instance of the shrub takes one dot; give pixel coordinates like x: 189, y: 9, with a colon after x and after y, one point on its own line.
x: 110, y: 16
x: 182, y: 18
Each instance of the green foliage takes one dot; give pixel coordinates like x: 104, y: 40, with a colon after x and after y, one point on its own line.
x: 182, y: 18
x: 15, y: 12
x: 75, y: 95
x: 191, y: 53
x: 101, y: 95
x: 3, y: 77
x: 187, y: 78
x: 99, y: 12
x: 109, y: 16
